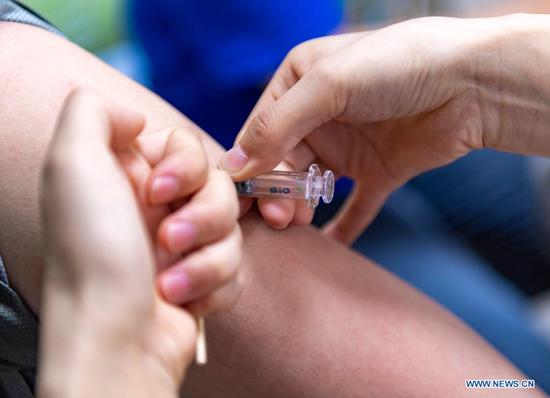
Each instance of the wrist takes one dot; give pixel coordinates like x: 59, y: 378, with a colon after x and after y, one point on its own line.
x: 90, y: 365
x: 506, y: 76
x: 85, y: 351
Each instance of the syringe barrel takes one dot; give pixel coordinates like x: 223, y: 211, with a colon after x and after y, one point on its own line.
x: 275, y: 184
x: 310, y: 186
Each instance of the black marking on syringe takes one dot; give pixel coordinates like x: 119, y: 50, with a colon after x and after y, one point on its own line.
x: 284, y: 190
x: 247, y: 188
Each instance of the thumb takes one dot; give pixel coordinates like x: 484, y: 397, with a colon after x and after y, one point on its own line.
x: 277, y: 129
x: 87, y: 120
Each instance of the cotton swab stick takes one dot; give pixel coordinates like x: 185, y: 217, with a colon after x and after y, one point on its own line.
x: 201, y: 358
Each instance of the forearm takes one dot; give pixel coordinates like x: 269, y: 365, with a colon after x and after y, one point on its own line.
x: 84, y: 358
x: 86, y: 351
x: 87, y: 364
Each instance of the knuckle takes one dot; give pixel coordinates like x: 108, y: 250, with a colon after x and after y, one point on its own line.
x: 297, y: 54
x: 260, y: 133
x: 233, y: 295
x: 217, y: 270
x: 195, y: 171
x: 221, y: 217
x: 192, y: 177
x: 232, y: 209
x: 221, y: 177
x: 216, y: 221
x: 229, y: 267
x: 334, y: 85
x: 324, y: 71
x: 302, y: 51
x: 232, y: 260
x: 188, y: 131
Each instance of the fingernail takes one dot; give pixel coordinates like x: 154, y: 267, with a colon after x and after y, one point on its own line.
x: 234, y: 159
x: 164, y: 189
x: 181, y: 236
x: 175, y: 285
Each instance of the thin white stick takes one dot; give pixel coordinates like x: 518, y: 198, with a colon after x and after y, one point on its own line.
x: 201, y: 358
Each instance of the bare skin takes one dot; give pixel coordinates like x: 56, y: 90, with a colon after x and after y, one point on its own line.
x: 315, y: 319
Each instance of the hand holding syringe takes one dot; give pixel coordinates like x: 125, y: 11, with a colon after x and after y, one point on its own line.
x: 310, y: 185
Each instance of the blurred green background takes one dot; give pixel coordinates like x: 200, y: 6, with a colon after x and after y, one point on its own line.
x: 93, y: 24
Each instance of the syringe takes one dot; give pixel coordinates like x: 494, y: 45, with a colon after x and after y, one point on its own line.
x: 309, y: 185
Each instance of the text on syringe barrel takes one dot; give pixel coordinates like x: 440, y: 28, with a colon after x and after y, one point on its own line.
x: 275, y: 185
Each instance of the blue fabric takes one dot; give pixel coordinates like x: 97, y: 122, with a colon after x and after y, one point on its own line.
x: 488, y: 197
x: 211, y: 59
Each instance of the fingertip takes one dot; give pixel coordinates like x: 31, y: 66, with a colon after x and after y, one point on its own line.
x: 234, y: 160
x: 163, y: 189
x: 178, y: 236
x: 174, y: 285
x: 241, y: 165
x: 177, y: 176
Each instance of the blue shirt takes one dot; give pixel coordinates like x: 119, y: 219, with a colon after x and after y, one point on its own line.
x: 211, y: 59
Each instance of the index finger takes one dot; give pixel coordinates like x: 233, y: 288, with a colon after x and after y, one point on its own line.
x: 295, y: 65
x: 276, y: 130
x: 179, y: 169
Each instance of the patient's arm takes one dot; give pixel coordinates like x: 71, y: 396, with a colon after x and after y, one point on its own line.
x: 315, y: 320
x: 37, y: 71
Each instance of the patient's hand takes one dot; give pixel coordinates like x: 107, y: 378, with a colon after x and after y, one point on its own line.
x: 191, y: 213
x: 105, y: 330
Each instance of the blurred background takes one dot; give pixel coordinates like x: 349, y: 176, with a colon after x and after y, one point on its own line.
x: 102, y: 26
x: 474, y: 235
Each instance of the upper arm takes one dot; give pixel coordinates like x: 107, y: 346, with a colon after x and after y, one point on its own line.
x: 38, y: 70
